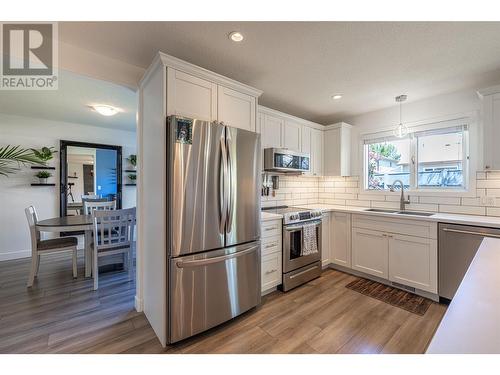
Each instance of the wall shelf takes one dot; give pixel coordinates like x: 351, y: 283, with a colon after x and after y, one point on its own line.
x: 130, y: 170
x: 130, y: 184
x: 72, y: 177
x: 38, y: 184
x: 44, y: 168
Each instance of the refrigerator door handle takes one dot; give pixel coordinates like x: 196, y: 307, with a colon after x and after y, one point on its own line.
x: 231, y: 183
x: 223, y: 172
x: 203, y: 262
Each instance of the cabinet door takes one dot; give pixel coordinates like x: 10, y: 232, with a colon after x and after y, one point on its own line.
x: 272, y: 128
x: 370, y: 252
x: 236, y: 109
x: 317, y: 152
x: 413, y: 261
x: 332, y: 152
x: 271, y: 273
x: 190, y: 96
x: 326, y: 240
x: 291, y: 136
x: 305, y: 141
x: 341, y: 239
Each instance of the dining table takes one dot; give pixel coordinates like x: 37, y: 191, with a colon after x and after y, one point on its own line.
x: 72, y: 224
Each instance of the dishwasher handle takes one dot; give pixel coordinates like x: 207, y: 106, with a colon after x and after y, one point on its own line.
x: 471, y: 232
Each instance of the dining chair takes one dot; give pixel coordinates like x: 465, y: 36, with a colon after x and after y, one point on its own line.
x: 42, y: 247
x: 113, y: 234
x: 91, y: 205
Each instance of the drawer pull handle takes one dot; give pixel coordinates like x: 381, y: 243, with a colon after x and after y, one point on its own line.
x: 270, y: 228
x: 271, y: 271
x: 271, y: 245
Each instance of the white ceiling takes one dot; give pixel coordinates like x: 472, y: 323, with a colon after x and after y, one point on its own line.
x: 70, y: 102
x: 299, y: 65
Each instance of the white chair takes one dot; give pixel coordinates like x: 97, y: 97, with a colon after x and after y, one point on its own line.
x: 41, y: 247
x: 89, y: 206
x: 113, y: 234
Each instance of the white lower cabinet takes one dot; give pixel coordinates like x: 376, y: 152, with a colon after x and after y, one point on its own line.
x: 370, y: 252
x: 271, y: 255
x: 413, y: 262
x: 271, y: 271
x: 383, y: 248
x: 326, y: 244
x: 340, y: 238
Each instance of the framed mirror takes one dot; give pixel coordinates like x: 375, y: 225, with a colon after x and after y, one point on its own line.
x: 89, y: 171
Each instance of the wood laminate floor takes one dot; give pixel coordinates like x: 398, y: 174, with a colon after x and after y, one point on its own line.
x: 62, y: 315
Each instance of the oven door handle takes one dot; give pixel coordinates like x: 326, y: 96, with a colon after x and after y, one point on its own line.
x: 298, y: 227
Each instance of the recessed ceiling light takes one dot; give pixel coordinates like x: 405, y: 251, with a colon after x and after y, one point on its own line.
x: 336, y: 96
x: 236, y: 36
x: 105, y: 110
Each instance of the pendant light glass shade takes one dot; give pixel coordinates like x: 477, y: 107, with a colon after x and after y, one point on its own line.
x: 401, y: 130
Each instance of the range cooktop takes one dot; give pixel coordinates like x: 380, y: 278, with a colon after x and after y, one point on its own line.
x: 293, y: 215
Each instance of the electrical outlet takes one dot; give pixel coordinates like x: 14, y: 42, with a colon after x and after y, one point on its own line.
x: 488, y: 201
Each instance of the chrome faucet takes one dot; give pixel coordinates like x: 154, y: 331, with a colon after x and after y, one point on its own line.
x: 402, y: 201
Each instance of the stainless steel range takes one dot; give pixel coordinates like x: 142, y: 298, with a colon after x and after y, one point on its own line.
x: 301, y: 245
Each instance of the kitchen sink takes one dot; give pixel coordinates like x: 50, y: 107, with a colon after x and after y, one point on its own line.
x: 416, y: 213
x: 381, y: 210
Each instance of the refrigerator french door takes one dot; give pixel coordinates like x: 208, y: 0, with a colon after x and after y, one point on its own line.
x: 213, y: 224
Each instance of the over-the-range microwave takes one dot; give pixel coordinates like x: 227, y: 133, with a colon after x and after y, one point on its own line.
x: 285, y: 161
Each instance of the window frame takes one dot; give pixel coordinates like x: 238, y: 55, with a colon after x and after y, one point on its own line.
x: 470, y: 150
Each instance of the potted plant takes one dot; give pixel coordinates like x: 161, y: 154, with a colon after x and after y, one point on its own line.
x: 44, y: 154
x: 43, y: 176
x: 132, y: 177
x: 133, y: 160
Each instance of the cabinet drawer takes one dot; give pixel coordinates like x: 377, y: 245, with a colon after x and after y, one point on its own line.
x: 271, y: 229
x: 271, y: 245
x: 403, y: 226
x: 271, y: 271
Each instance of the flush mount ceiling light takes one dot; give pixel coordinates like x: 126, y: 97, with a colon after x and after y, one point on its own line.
x: 236, y: 36
x: 401, y: 130
x: 336, y: 96
x: 105, y: 110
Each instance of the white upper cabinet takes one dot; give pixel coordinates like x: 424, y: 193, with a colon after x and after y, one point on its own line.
x: 317, y: 152
x: 337, y: 150
x: 291, y: 135
x: 191, y: 96
x: 271, y: 130
x: 236, y: 109
x: 491, y: 128
x: 305, y: 140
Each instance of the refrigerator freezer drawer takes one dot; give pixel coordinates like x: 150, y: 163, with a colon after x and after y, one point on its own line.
x: 211, y: 288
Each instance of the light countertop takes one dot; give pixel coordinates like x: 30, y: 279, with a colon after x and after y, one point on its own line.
x: 484, y: 221
x: 472, y: 322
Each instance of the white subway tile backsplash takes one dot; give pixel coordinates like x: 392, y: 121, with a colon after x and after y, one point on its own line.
x: 467, y: 210
x: 440, y: 200
x: 343, y: 191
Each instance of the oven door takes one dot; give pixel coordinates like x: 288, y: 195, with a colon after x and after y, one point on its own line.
x: 292, y: 246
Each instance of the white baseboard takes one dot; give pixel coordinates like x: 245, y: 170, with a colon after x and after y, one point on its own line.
x: 15, y: 255
x: 139, y: 304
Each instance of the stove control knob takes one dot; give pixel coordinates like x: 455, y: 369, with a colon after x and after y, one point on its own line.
x: 294, y: 217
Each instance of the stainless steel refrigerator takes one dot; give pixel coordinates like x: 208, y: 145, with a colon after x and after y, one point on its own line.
x: 213, y: 224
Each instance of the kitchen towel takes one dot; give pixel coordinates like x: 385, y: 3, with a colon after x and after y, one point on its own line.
x: 309, y: 240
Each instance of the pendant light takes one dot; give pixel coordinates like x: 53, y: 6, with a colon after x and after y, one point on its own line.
x: 401, y: 130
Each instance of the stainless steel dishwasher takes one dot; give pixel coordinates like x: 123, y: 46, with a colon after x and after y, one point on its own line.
x: 458, y: 245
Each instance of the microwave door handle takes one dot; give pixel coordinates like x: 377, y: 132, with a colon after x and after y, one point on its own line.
x: 222, y: 185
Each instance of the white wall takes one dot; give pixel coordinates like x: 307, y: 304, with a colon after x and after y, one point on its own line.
x: 429, y: 109
x: 16, y: 192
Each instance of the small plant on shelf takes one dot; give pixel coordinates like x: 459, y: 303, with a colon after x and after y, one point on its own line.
x: 132, y: 177
x: 44, y: 154
x: 133, y: 160
x: 43, y: 176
